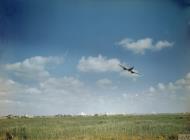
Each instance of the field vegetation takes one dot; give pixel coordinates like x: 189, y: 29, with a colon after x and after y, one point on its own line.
x: 116, y: 127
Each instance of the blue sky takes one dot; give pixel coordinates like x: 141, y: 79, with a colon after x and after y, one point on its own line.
x: 63, y: 56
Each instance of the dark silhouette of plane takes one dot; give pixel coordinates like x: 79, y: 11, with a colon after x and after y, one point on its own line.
x: 131, y: 69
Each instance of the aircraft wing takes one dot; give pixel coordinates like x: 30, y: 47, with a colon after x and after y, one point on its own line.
x: 130, y: 69
x: 134, y: 72
x: 122, y: 66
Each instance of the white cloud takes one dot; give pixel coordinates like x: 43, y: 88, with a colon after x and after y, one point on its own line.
x: 34, y: 67
x: 63, y: 85
x: 33, y: 90
x: 152, y: 89
x: 171, y: 97
x: 141, y: 45
x: 161, y: 86
x: 8, y: 86
x: 188, y: 76
x: 70, y: 95
x: 98, y: 64
x: 173, y: 87
x: 105, y: 84
x: 162, y: 44
x: 102, y: 64
x: 52, y: 95
x: 137, y: 47
x: 104, y: 81
x: 181, y: 82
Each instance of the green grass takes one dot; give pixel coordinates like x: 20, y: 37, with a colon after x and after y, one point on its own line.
x: 118, y: 127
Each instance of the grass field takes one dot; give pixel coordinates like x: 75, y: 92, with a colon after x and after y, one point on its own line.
x: 117, y: 127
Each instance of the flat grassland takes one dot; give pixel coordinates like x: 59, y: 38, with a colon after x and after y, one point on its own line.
x: 116, y: 127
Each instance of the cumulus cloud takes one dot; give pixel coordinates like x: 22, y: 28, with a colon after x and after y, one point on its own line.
x: 102, y: 64
x: 34, y: 67
x: 173, y: 87
x: 32, y: 90
x: 98, y: 64
x: 161, y: 45
x: 47, y: 95
x: 104, y: 81
x: 105, y: 84
x: 70, y: 95
x: 138, y: 46
x: 141, y: 45
x: 8, y: 86
x: 51, y: 96
x: 152, y: 89
x: 161, y: 86
x: 170, y: 97
x: 5, y: 85
x: 63, y: 85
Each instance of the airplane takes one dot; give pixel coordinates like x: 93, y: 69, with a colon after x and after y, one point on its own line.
x: 131, y: 69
